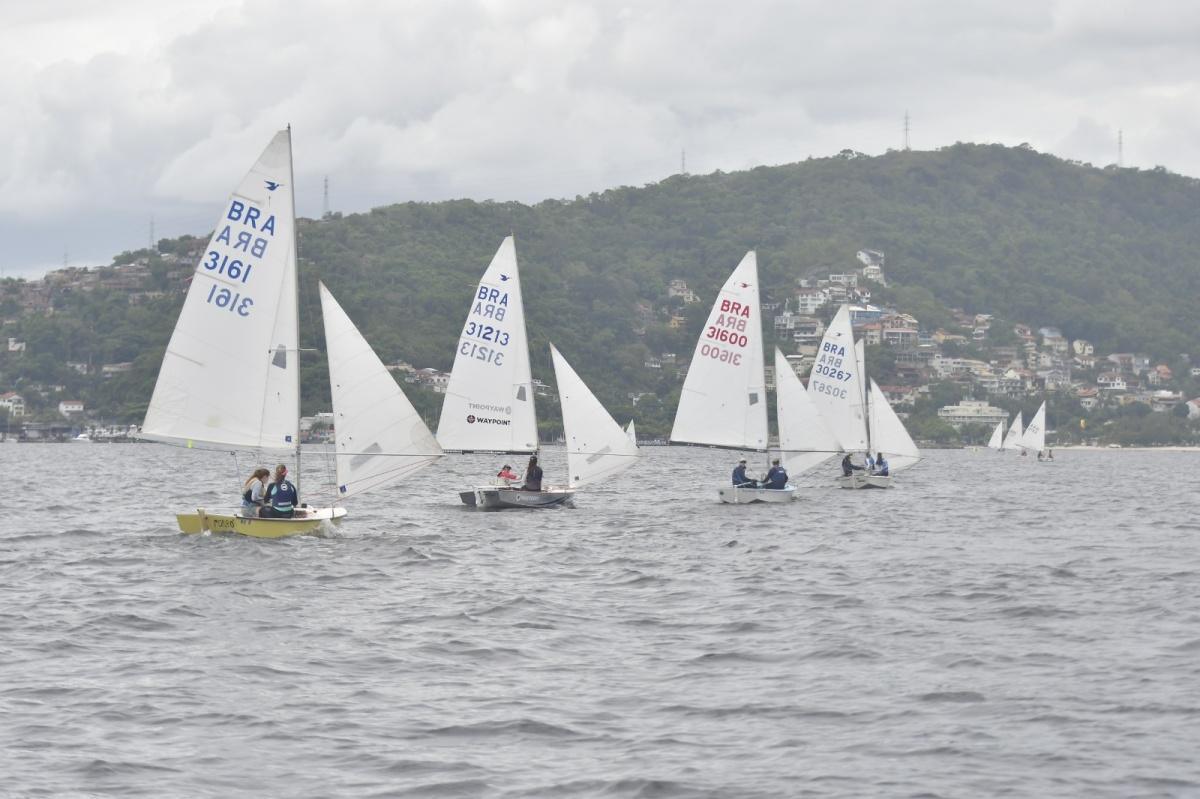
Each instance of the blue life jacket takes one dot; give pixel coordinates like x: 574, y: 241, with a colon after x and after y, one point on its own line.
x: 284, y: 498
x: 739, y: 475
x: 777, y: 477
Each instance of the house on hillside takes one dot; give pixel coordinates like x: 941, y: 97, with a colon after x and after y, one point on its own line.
x: 14, y: 403
x: 69, y: 408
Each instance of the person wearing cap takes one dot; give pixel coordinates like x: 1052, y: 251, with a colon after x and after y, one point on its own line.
x: 849, y: 467
x: 777, y: 477
x: 533, y: 475
x: 739, y: 476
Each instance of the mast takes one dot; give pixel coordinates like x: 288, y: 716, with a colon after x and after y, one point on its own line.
x: 296, y: 251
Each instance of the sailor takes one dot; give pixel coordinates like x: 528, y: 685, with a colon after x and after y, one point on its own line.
x: 739, y: 476
x: 881, y: 465
x: 507, y: 475
x: 849, y: 468
x: 533, y: 475
x: 282, y: 497
x: 777, y: 477
x: 254, y: 489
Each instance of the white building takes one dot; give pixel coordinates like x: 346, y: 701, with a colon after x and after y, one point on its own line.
x: 14, y: 403
x: 809, y: 300
x: 69, y: 407
x: 972, y: 412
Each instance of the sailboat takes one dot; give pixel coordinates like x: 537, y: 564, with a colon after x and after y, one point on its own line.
x: 489, y: 399
x: 1012, y: 441
x: 230, y: 378
x: 724, y: 397
x: 997, y: 440
x: 597, y: 448
x: 1034, y: 437
x: 856, y: 411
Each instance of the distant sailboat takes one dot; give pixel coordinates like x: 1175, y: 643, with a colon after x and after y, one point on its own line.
x: 1034, y: 437
x: 597, y: 448
x: 489, y: 403
x: 724, y: 397
x: 997, y: 440
x: 856, y: 411
x: 1012, y: 441
x: 631, y: 431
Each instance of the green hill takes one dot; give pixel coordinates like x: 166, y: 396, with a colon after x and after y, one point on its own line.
x: 1111, y: 255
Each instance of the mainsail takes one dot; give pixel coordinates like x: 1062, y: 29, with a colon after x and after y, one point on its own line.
x: 1034, y: 437
x: 597, y: 447
x: 804, y: 439
x: 230, y: 377
x: 724, y: 398
x: 836, y: 385
x: 380, y: 436
x: 489, y: 399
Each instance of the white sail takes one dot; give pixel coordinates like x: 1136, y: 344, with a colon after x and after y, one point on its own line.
x: 489, y: 399
x: 724, y: 398
x: 805, y: 441
x: 597, y: 447
x: 631, y: 431
x: 836, y: 385
x: 380, y: 436
x: 1034, y: 437
x: 997, y: 439
x: 230, y: 378
x: 888, y: 434
x: 1013, y: 439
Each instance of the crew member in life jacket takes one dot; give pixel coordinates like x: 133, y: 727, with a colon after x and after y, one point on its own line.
x: 881, y: 465
x: 533, y: 475
x: 282, y: 497
x: 776, y: 478
x: 739, y: 476
x: 507, y: 476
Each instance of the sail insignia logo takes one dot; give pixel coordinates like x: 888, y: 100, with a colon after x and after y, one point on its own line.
x: 272, y: 185
x: 504, y: 278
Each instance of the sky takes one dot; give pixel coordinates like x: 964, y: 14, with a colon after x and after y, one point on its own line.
x: 117, y: 113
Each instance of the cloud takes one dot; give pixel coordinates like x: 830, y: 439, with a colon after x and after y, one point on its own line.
x: 139, y: 108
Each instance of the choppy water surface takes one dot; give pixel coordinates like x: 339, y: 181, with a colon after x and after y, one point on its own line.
x: 991, y: 626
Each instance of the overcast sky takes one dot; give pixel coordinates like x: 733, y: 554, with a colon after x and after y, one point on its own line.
x: 117, y: 111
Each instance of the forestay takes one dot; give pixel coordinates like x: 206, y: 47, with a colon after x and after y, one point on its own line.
x: 489, y: 399
x: 723, y: 402
x: 836, y: 385
x: 380, y: 436
x: 1034, y: 437
x: 597, y: 447
x: 230, y: 377
x: 805, y: 441
x: 1013, y: 439
x: 888, y: 434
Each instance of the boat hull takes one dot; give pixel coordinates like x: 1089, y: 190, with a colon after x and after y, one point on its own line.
x: 857, y: 480
x: 497, y: 498
x: 734, y: 495
x: 204, y: 522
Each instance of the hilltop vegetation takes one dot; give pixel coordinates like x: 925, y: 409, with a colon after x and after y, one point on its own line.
x: 1104, y: 254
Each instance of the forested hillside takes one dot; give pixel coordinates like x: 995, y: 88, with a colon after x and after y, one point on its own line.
x: 1111, y: 255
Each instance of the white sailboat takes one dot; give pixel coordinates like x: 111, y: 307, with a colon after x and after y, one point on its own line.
x: 805, y: 441
x: 856, y: 411
x: 230, y: 378
x: 631, y: 431
x: 1012, y: 441
x: 489, y: 399
x: 724, y: 397
x: 1034, y: 437
x: 380, y: 438
x: 597, y: 448
x: 997, y: 440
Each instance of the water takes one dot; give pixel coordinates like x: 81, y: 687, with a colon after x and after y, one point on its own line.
x: 993, y: 626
